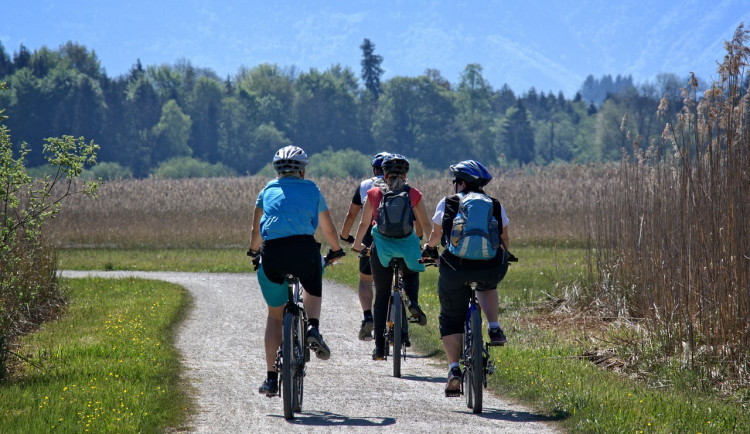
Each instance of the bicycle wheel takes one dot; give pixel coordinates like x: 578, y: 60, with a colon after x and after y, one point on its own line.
x: 288, y: 366
x: 398, y: 327
x: 477, y: 368
x: 299, y: 355
x: 468, y: 384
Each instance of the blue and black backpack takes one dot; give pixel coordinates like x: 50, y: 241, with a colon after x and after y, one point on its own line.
x: 475, y: 233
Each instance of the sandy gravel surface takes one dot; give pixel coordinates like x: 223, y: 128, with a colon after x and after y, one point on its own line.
x: 221, y: 342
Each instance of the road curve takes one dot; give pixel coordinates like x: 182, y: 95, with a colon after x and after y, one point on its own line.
x: 221, y: 343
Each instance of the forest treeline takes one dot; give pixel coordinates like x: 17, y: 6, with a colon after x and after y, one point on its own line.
x: 184, y: 115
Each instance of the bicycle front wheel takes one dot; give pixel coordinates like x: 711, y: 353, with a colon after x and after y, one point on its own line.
x: 398, y: 329
x: 477, y: 369
x: 288, y: 366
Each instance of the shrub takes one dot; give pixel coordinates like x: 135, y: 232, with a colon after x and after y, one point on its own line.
x: 188, y: 167
x: 28, y: 287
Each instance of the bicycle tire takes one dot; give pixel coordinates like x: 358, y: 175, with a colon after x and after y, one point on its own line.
x: 398, y: 328
x: 299, y: 373
x: 288, y: 366
x: 477, y: 365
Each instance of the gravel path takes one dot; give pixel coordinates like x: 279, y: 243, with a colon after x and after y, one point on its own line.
x: 221, y: 342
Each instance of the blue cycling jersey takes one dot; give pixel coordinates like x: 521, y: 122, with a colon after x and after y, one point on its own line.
x: 290, y: 207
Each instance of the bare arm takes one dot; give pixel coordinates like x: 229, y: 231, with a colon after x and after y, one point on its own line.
x: 255, y: 239
x: 351, y: 215
x: 364, y: 223
x: 435, y: 235
x: 420, y: 211
x: 329, y: 229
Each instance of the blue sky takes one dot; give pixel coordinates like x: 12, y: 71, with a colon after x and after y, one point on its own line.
x: 550, y: 45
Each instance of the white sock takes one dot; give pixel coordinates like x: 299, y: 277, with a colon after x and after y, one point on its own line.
x: 494, y: 325
x: 453, y: 365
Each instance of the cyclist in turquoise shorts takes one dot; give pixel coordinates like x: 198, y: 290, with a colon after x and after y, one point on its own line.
x: 384, y: 247
x: 287, y: 212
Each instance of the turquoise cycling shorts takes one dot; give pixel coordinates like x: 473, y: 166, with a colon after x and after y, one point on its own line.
x: 275, y: 294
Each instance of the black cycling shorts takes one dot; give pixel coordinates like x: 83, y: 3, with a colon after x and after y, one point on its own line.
x: 298, y: 255
x: 454, y: 292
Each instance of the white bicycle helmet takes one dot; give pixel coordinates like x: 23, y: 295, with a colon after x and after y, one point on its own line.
x: 289, y: 159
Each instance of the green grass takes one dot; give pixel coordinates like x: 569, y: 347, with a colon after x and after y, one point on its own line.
x: 108, y: 365
x: 198, y: 260
x: 541, y: 365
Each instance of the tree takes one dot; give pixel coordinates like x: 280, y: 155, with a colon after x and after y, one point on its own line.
x: 516, y: 138
x: 416, y: 117
x: 204, y: 109
x: 371, y: 70
x: 172, y: 133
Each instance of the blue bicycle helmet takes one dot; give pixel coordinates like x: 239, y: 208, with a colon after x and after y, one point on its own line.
x: 289, y: 159
x: 471, y: 172
x: 395, y: 163
x: 377, y: 160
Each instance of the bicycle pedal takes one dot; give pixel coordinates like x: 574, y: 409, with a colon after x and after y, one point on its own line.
x: 452, y: 394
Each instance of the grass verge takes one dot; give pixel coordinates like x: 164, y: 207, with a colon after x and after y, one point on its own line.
x: 542, y: 365
x: 108, y: 365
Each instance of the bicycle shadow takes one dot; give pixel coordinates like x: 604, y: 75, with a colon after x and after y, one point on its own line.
x: 422, y: 378
x: 324, y: 418
x: 516, y: 416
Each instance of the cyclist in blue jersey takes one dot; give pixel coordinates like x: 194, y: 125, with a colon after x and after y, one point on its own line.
x: 365, y: 273
x: 455, y: 272
x: 287, y: 212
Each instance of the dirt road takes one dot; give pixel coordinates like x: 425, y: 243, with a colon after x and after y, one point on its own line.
x: 221, y: 342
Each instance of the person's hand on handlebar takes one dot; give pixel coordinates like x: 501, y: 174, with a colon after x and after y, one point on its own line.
x: 361, y: 248
x: 333, y: 255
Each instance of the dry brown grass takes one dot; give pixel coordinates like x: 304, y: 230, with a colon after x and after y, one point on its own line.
x: 543, y: 204
x: 672, y: 232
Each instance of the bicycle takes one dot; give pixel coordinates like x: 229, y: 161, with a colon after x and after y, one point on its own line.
x: 294, y: 351
x: 475, y: 356
x: 397, y: 322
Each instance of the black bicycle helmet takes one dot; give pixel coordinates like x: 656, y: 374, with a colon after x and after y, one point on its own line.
x: 395, y: 163
x: 471, y: 172
x: 377, y: 160
x: 289, y: 159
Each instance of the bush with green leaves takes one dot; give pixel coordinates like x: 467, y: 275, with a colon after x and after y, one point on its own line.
x: 28, y: 286
x: 188, y: 167
x: 348, y: 163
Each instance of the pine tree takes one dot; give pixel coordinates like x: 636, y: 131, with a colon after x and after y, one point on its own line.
x: 371, y: 70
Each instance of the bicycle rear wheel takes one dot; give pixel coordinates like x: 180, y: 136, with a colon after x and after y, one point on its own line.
x: 477, y: 369
x: 288, y: 366
x: 300, y: 344
x: 398, y: 328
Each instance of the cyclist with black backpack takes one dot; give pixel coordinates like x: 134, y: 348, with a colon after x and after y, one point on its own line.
x: 392, y: 210
x: 473, y: 228
x: 364, y: 290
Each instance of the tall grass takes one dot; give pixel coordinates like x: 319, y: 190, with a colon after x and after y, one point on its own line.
x: 543, y: 204
x: 672, y: 231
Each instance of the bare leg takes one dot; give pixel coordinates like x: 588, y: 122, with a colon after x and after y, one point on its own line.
x: 488, y: 302
x: 273, y: 335
x: 452, y: 345
x: 312, y: 305
x: 365, y: 291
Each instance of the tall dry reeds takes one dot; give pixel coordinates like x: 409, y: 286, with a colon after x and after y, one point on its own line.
x: 673, y: 229
x: 543, y: 204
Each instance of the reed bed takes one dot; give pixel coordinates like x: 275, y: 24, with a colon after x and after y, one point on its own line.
x: 543, y: 204
x: 673, y: 236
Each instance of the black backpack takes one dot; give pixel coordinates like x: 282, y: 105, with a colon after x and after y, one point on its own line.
x: 395, y: 214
